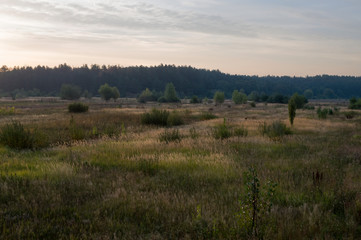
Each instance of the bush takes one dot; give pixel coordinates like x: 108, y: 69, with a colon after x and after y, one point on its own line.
x: 15, y: 136
x: 174, y: 119
x: 219, y: 97
x: 240, y: 132
x: 78, y: 108
x: 355, y: 103
x: 222, y: 131
x: 207, y: 116
x: 322, y: 113
x: 275, y: 130
x: 170, y: 136
x: 350, y: 114
x: 195, y: 99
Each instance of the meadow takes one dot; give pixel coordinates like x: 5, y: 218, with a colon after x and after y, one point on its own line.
x: 103, y: 174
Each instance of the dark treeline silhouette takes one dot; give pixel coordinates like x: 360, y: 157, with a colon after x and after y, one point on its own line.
x: 188, y: 81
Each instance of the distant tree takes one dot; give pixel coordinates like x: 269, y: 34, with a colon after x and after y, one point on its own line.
x: 70, y: 92
x: 299, y: 100
x: 107, y: 92
x: 329, y: 93
x: 292, y: 110
x: 116, y: 93
x: 219, y: 97
x: 254, y: 96
x: 87, y: 94
x: 355, y: 103
x: 146, y: 96
x: 170, y: 94
x: 239, y: 97
x: 308, y: 93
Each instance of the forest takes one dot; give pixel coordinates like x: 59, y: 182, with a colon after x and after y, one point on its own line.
x: 189, y: 81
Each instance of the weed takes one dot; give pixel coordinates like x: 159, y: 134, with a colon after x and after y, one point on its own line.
x: 193, y: 133
x: 170, y: 136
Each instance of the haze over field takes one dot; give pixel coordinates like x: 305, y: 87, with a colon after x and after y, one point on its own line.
x: 240, y: 37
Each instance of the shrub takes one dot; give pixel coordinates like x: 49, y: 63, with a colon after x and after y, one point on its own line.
x: 155, y: 117
x: 322, y: 113
x: 75, y: 131
x: 219, y: 97
x: 222, y: 131
x: 252, y: 104
x: 78, y: 108
x: 207, y: 116
x: 15, y: 136
x: 174, y: 119
x: 240, y: 132
x: 355, y: 103
x: 170, y: 136
x: 350, y: 114
x: 195, y: 99
x: 275, y: 130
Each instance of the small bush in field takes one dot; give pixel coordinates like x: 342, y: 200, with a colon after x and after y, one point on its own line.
x: 78, y: 108
x: 161, y: 118
x: 222, y: 131
x: 207, y: 116
x: 275, y: 130
x: 240, y: 132
x: 76, y: 132
x: 350, y: 114
x: 322, y: 113
x: 15, y: 136
x: 174, y: 119
x: 170, y: 136
x: 155, y: 117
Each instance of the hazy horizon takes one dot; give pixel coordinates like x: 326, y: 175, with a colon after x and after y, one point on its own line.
x: 236, y: 37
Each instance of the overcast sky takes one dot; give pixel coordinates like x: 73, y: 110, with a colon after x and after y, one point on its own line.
x: 254, y: 37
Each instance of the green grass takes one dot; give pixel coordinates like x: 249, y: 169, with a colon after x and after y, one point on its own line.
x: 135, y: 187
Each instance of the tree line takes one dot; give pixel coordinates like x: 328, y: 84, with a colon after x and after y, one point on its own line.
x: 189, y: 81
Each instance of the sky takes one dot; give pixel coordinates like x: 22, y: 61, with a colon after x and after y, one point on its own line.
x: 246, y: 37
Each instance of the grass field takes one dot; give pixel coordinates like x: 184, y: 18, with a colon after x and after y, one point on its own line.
x: 104, y: 175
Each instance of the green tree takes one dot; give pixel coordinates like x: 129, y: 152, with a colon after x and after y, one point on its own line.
x: 299, y: 100
x: 146, y: 96
x: 116, y: 93
x: 308, y: 93
x: 239, y: 97
x: 292, y: 110
x: 219, y: 97
x: 107, y: 92
x: 70, y: 92
x: 170, y: 94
